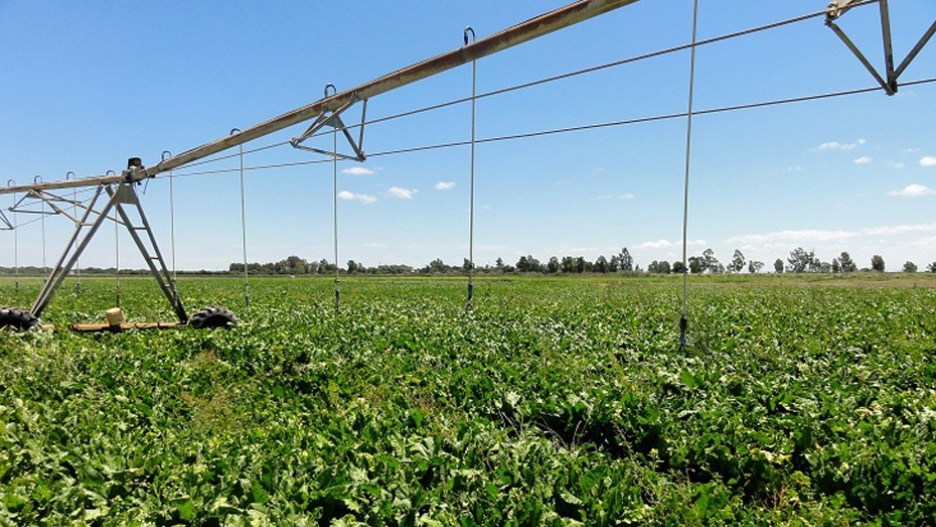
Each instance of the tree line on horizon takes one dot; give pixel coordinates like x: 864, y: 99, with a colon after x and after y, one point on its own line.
x: 798, y: 261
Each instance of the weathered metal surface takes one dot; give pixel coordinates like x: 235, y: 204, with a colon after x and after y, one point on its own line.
x: 518, y: 34
x: 70, y: 183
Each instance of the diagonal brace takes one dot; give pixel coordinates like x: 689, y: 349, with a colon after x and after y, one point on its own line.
x: 891, y: 74
x: 334, y: 120
x: 84, y: 231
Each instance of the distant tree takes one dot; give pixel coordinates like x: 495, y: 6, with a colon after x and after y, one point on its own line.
x: 877, y: 263
x: 836, y: 265
x: 661, y: 267
x: 353, y: 267
x: 816, y: 266
x: 931, y: 267
x: 568, y: 264
x: 499, y: 264
x: 626, y: 261
x: 801, y: 261
x: 614, y: 263
x: 778, y: 266
x: 467, y: 265
x: 523, y: 264
x: 528, y: 264
x: 846, y: 263
x: 909, y: 267
x: 437, y: 266
x: 679, y: 267
x: 601, y: 265
x: 553, y: 266
x: 755, y: 266
x: 696, y: 264
x: 710, y: 263
x: 580, y: 264
x: 737, y: 262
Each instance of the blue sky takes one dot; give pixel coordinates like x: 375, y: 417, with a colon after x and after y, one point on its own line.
x: 87, y: 85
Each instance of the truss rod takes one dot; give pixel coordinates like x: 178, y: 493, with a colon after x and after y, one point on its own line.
x: 518, y: 34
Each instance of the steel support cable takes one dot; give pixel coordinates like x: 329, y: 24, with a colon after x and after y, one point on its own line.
x: 116, y: 248
x: 604, y: 66
x: 11, y: 183
x: 581, y: 128
x: 334, y: 160
x: 236, y: 154
x: 243, y: 200
x: 335, y: 222
x: 546, y: 80
x: 37, y: 180
x: 172, y: 248
x: 471, y: 190
x: 683, y: 319
x: 77, y: 226
x: 117, y: 258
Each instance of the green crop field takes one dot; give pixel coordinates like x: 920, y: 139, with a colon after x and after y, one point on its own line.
x: 797, y: 401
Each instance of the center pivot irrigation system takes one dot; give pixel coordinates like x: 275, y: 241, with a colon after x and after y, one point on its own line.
x: 121, y: 203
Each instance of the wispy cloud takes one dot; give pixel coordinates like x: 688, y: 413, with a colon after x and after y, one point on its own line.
x: 622, y: 197
x: 835, y: 145
x: 899, y: 229
x: 863, y: 160
x: 778, y: 239
x: 444, y: 185
x: 402, y: 193
x: 358, y: 171
x: 351, y: 196
x: 913, y: 190
x: 896, y: 164
x: 669, y: 244
x: 928, y: 161
x: 803, y: 236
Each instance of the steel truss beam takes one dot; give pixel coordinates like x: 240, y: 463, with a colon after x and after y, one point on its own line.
x: 333, y: 120
x: 124, y: 201
x: 888, y: 81
x: 518, y: 34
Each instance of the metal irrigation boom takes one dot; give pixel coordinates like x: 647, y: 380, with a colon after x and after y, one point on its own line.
x: 325, y: 112
x: 125, y: 208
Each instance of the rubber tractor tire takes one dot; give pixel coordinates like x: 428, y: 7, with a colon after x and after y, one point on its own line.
x: 213, y: 317
x: 16, y: 319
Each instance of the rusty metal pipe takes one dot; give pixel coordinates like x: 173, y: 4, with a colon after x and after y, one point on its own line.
x: 518, y: 34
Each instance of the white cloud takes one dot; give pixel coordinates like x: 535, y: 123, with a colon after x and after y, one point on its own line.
x: 351, y: 196
x: 863, y: 160
x: 792, y: 237
x: 896, y: 164
x: 622, y: 197
x: 444, y: 185
x: 912, y: 191
x: 928, y: 161
x: 358, y: 171
x: 668, y: 244
x: 835, y: 145
x: 402, y: 193
x: 900, y: 229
